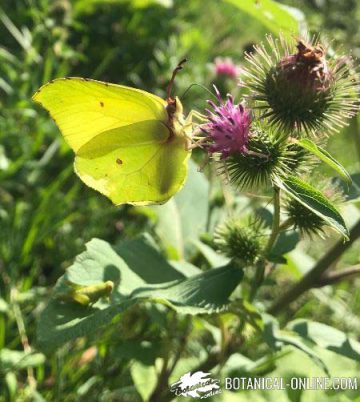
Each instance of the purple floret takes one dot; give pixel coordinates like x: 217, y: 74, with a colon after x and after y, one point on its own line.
x: 228, y: 128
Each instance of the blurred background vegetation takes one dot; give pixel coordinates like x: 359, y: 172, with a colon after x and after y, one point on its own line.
x: 47, y: 214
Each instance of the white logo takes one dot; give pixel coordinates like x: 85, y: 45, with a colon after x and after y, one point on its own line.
x: 196, y: 385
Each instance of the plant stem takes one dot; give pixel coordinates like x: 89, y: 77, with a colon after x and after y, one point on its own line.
x: 285, y: 225
x: 337, y: 276
x: 276, y: 222
x: 311, y: 279
x: 23, y: 336
x: 161, y: 391
x: 260, y: 266
x: 355, y: 132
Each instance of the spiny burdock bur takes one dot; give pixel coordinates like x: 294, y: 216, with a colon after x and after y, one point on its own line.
x: 242, y: 243
x: 300, y: 88
x: 269, y: 156
x: 307, y: 222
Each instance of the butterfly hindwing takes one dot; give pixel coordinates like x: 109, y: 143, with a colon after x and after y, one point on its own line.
x: 120, y: 135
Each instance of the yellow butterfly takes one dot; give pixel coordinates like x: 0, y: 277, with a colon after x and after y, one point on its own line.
x: 130, y: 145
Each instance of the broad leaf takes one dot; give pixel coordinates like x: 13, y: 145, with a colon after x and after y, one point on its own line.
x: 277, y: 338
x: 129, y: 265
x: 240, y: 366
x: 327, y: 337
x: 145, y: 378
x: 207, y: 292
x: 271, y: 14
x: 185, y: 268
x: 184, y: 217
x: 139, y: 273
x: 145, y: 352
x: 325, y: 157
x: 213, y: 258
x: 285, y: 243
x: 315, y: 201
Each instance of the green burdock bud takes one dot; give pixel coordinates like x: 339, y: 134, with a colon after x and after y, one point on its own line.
x: 304, y: 219
x: 242, y: 243
x: 268, y: 156
x: 299, y: 87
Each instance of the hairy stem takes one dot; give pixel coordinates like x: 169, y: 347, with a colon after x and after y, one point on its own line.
x: 260, y: 266
x: 275, y: 224
x: 311, y: 279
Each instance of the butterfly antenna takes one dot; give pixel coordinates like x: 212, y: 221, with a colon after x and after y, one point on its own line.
x: 171, y: 82
x: 196, y: 85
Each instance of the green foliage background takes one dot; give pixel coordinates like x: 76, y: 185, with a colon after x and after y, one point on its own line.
x: 47, y: 215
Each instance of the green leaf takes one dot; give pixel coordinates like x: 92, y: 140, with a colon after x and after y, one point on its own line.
x: 327, y: 337
x: 139, y: 273
x: 277, y: 338
x: 88, y: 385
x: 325, y: 157
x: 315, y: 201
x: 11, y: 360
x: 144, y: 351
x: 285, y: 243
x: 4, y: 307
x: 89, y: 6
x: 271, y: 14
x: 184, y: 217
x: 213, y: 258
x: 207, y: 292
x: 240, y: 366
x: 129, y: 265
x: 11, y: 385
x: 185, y: 268
x: 144, y: 378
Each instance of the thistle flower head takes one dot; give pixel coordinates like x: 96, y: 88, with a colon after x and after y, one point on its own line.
x: 299, y: 87
x: 226, y: 67
x: 227, y: 131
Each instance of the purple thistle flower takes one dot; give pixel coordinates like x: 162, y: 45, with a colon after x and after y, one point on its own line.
x: 227, y: 131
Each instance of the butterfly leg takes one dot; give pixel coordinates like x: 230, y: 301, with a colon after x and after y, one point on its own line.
x: 189, y: 124
x: 196, y: 115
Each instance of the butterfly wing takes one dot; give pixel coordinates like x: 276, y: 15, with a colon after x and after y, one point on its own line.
x: 140, y: 173
x: 123, y: 147
x: 83, y: 108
